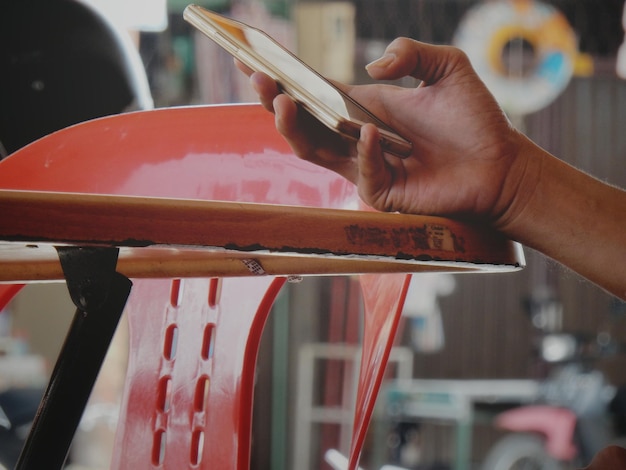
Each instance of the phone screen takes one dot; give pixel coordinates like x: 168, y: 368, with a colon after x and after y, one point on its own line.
x: 317, y: 95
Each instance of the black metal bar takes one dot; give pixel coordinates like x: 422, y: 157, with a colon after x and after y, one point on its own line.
x: 100, y: 294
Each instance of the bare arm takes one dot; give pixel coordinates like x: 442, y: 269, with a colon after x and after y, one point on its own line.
x: 468, y: 162
x: 573, y: 218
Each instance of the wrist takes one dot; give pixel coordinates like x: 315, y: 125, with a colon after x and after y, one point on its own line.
x: 520, y: 186
x: 570, y: 217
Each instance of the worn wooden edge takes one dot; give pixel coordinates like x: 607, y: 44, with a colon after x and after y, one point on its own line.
x: 163, y: 237
x: 36, y: 263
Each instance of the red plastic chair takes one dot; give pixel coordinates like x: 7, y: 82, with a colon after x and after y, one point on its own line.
x: 193, y: 342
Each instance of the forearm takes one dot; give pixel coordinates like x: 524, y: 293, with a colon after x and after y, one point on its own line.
x: 575, y: 219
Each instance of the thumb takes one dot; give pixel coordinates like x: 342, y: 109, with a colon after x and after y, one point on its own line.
x: 407, y: 57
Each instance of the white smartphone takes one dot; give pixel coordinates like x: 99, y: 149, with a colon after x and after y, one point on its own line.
x: 314, y: 93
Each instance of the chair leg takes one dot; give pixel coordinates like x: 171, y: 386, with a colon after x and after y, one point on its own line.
x: 383, y: 298
x: 100, y: 295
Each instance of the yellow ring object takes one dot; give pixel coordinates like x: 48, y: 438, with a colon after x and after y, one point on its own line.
x: 488, y: 28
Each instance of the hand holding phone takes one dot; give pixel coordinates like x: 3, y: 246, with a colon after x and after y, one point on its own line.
x: 258, y: 51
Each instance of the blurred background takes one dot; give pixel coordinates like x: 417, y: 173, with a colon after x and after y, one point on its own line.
x: 469, y: 347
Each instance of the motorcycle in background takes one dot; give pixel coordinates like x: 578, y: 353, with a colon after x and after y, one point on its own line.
x: 579, y: 412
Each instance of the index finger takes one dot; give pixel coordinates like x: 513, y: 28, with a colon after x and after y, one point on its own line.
x: 408, y: 57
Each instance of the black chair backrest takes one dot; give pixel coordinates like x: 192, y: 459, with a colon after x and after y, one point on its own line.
x: 61, y: 63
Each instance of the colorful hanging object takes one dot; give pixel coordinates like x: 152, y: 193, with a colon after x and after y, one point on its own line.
x: 524, y: 50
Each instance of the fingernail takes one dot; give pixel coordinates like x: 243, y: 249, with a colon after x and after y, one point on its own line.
x: 383, y: 62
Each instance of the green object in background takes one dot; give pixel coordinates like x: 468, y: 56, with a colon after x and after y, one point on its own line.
x: 177, y: 6
x: 275, y: 7
x: 183, y: 49
x: 280, y: 377
x: 279, y: 7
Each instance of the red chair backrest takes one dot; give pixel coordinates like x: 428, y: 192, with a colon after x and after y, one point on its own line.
x: 193, y: 343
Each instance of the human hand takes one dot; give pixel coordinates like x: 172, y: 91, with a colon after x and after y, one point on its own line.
x: 609, y: 458
x: 466, y: 158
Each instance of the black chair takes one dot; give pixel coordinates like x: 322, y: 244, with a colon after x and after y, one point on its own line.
x: 62, y: 63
